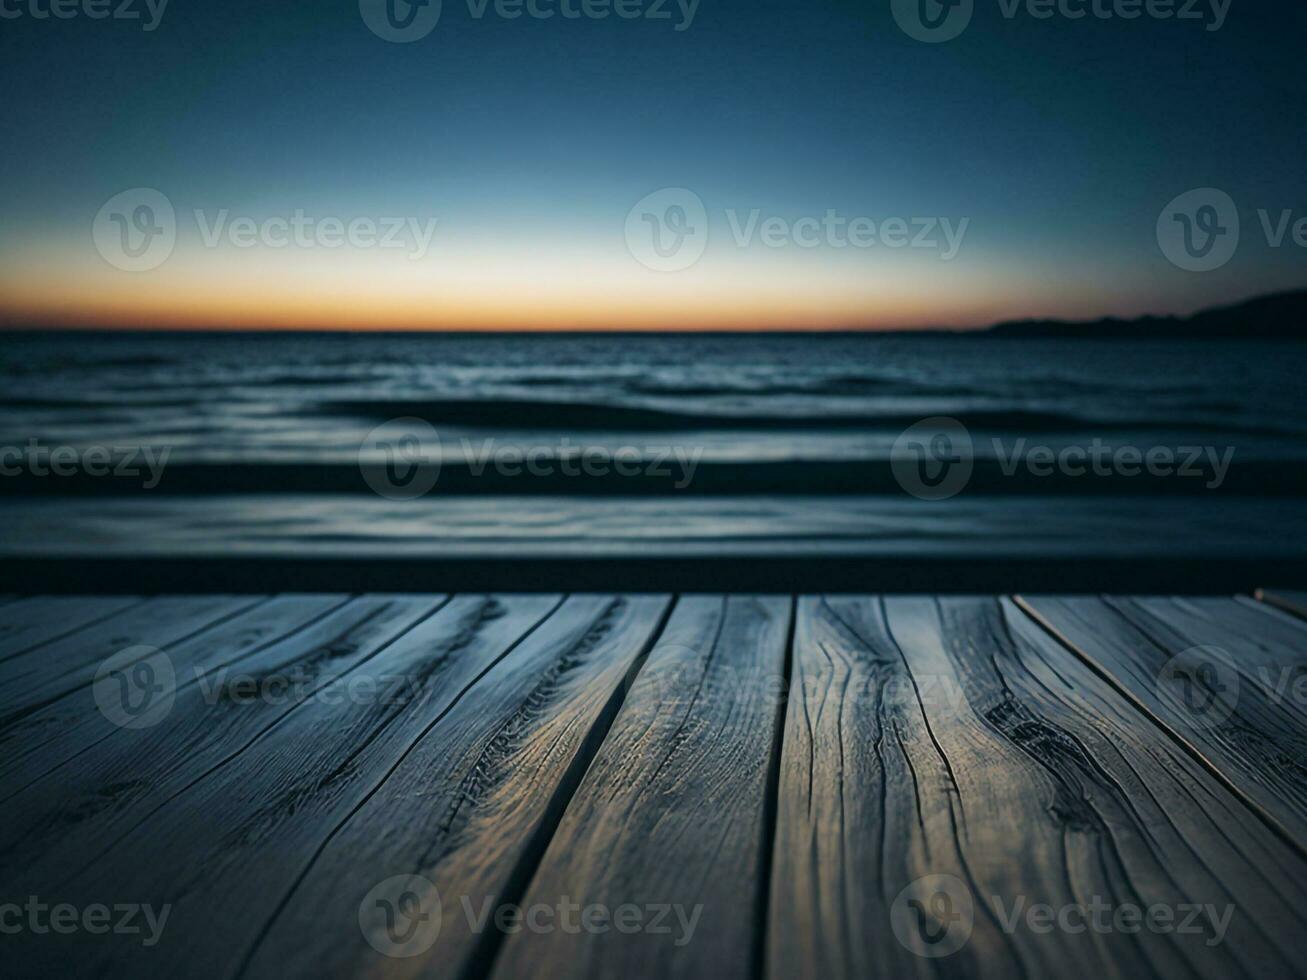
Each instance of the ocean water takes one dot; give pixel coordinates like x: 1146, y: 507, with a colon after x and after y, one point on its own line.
x: 761, y: 444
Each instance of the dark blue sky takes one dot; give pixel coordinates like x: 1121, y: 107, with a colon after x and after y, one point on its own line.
x: 529, y: 141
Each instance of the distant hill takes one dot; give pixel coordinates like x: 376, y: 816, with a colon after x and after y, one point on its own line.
x: 1279, y: 317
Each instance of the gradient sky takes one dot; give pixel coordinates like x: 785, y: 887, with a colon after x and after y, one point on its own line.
x: 530, y: 140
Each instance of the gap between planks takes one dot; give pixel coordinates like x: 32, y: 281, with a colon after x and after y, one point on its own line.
x: 1235, y: 764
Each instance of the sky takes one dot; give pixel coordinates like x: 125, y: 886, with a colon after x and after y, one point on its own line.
x: 803, y: 166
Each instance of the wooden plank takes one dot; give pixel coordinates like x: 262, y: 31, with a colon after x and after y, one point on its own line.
x: 469, y: 809
x: 222, y: 853
x: 39, y: 676
x: 1223, y: 677
x: 1286, y: 599
x: 113, y: 784
x: 47, y: 738
x: 28, y: 623
x: 670, y: 820
x: 947, y: 762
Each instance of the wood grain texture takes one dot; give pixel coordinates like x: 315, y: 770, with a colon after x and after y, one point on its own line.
x: 46, y: 739
x: 670, y: 818
x: 116, y: 783
x: 610, y: 752
x: 39, y: 676
x: 1286, y: 599
x: 28, y: 623
x: 956, y: 738
x: 469, y: 809
x: 1226, y: 678
x: 223, y: 852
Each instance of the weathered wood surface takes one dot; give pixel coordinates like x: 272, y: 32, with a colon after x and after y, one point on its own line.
x: 412, y: 785
x: 671, y: 817
x: 238, y: 837
x: 27, y: 623
x: 1226, y: 678
x: 39, y: 676
x: 946, y: 762
x: 125, y: 777
x: 468, y: 810
x: 42, y: 741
